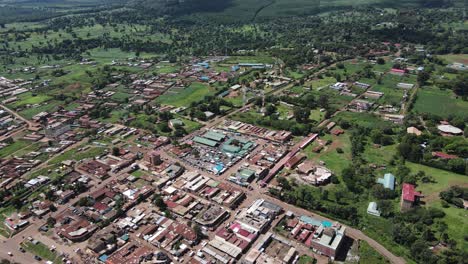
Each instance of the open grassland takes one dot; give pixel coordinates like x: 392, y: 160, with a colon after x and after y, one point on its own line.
x: 460, y: 58
x: 42, y: 251
x: 14, y: 147
x: 439, y: 102
x: 443, y: 180
x: 363, y: 119
x: 368, y: 255
x: 194, y: 93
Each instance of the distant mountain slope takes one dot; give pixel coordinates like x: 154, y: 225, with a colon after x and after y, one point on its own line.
x: 241, y: 10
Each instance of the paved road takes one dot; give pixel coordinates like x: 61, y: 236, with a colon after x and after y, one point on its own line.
x: 262, y: 193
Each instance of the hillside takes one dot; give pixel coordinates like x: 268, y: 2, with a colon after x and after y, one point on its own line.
x: 195, y: 10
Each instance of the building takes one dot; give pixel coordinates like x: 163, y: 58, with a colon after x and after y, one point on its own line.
x: 449, y: 130
x: 56, y: 129
x: 388, y: 181
x: 372, y: 209
x: 409, y: 197
x: 414, y: 131
x: 155, y: 158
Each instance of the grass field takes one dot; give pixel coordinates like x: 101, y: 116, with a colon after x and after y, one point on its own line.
x: 14, y: 147
x: 451, y: 58
x: 194, y: 93
x: 363, y: 119
x: 439, y: 102
x: 455, y: 217
x: 368, y: 255
x: 29, y: 99
x: 74, y: 154
x: 42, y: 251
x: 335, y: 161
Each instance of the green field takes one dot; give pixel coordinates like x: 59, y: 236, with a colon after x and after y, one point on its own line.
x: 42, y: 251
x: 439, y: 102
x: 368, y: 255
x: 460, y: 58
x: 443, y: 180
x: 29, y: 99
x: 14, y: 147
x: 194, y: 93
x: 363, y: 119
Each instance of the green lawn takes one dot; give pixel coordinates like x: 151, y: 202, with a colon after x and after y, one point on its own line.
x: 439, y: 102
x: 74, y: 154
x: 304, y: 259
x: 363, y: 119
x: 42, y: 251
x: 14, y: 147
x: 455, y: 217
x: 30, y: 112
x: 335, y: 161
x: 29, y: 98
x: 451, y: 58
x: 194, y: 93
x: 368, y: 255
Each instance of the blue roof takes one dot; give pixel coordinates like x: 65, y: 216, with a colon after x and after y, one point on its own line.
x: 124, y: 237
x: 310, y: 220
x: 327, y: 223
x: 388, y: 181
x: 103, y: 258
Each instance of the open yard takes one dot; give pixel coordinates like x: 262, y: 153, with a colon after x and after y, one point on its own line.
x: 184, y: 97
x: 42, y: 251
x: 443, y: 180
x: 439, y: 102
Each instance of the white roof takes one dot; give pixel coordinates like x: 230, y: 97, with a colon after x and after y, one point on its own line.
x: 449, y: 129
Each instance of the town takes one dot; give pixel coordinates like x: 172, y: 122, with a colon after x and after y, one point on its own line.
x: 234, y: 156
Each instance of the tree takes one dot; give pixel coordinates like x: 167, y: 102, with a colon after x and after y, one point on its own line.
x: 115, y: 151
x: 51, y: 222
x: 423, y: 77
x: 159, y: 202
x: 323, y: 101
x: 270, y: 109
x: 301, y: 114
x: 380, y: 61
x: 385, y: 207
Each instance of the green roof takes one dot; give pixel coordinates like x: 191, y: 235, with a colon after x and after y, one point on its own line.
x: 176, y: 122
x: 246, y: 173
x: 231, y: 148
x: 214, y: 136
x: 205, y: 141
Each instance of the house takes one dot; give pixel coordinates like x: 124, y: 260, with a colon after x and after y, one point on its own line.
x: 442, y: 155
x: 405, y: 85
x: 173, y: 123
x: 209, y: 114
x: 414, y: 131
x: 398, y: 72
x: 388, y: 181
x: 449, y: 130
x: 372, y: 209
x: 409, y: 197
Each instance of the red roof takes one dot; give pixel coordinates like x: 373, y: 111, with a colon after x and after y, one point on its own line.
x: 398, y: 70
x: 409, y: 193
x: 100, y: 206
x: 443, y: 155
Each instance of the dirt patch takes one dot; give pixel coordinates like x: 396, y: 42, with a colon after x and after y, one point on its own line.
x: 74, y: 86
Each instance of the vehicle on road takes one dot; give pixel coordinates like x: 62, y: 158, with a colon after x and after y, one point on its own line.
x: 37, y: 258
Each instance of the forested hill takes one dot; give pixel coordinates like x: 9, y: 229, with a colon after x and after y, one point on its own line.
x: 240, y: 10
x: 201, y: 10
x: 177, y: 7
